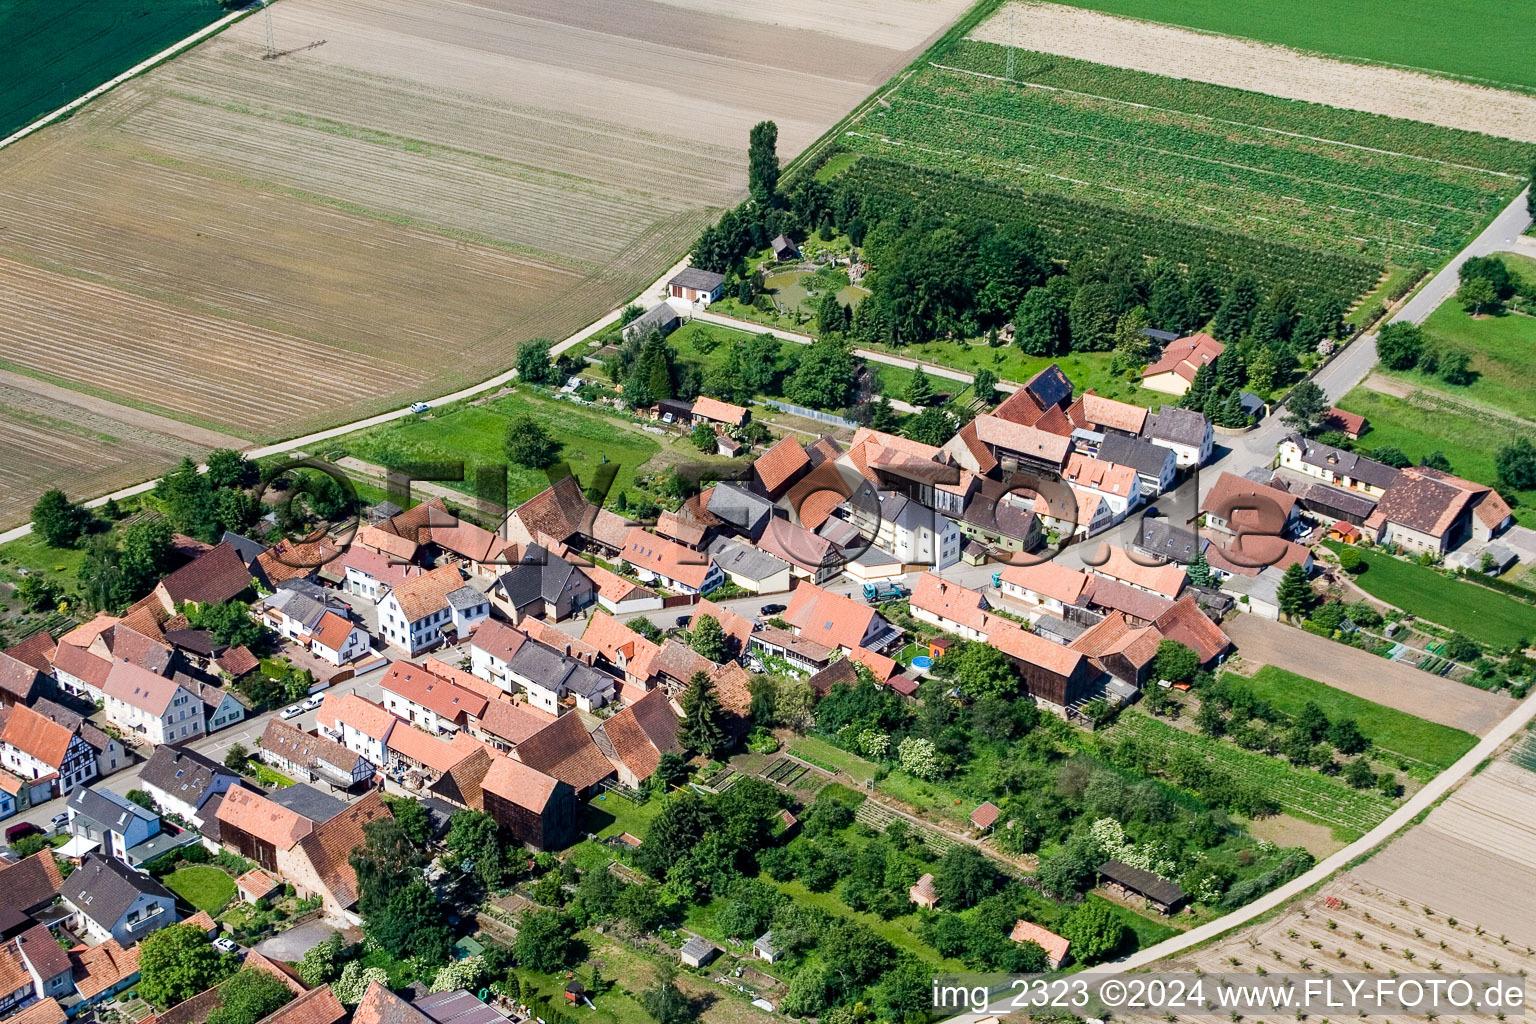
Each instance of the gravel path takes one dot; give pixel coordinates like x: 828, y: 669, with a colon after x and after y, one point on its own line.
x: 1365, y: 675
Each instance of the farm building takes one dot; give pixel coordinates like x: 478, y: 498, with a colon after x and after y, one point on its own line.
x: 1175, y: 370
x: 697, y: 952
x: 1054, y: 945
x: 1159, y: 893
x: 661, y: 317
x: 784, y: 248
x: 923, y: 893
x: 985, y: 816
x: 764, y: 948
x: 694, y: 285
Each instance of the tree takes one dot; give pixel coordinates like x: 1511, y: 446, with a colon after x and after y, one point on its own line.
x: 230, y: 623
x: 1295, y: 592
x: 249, y: 996
x: 932, y: 426
x: 143, y: 799
x: 544, y: 940
x: 529, y: 445
x: 1351, y: 561
x: 1477, y: 295
x: 412, y: 817
x: 919, y: 389
x: 1392, y: 456
x: 146, y: 556
x: 1305, y: 407
x: 533, y: 364
x: 985, y: 386
x: 903, y: 995
x: 37, y: 592
x: 703, y: 437
x: 671, y: 770
x: 1040, y: 324
x: 1130, y: 342
x: 823, y: 379
x: 1358, y: 773
x: 474, y: 836
x: 228, y: 469
x: 1436, y: 460
x: 355, y: 981
x: 964, y: 877
x: 1199, y: 570
x: 920, y: 757
x: 319, y: 965
x: 664, y: 1001
x: 1516, y: 464
x: 1456, y: 368
x: 710, y: 640
x: 1491, y: 269
x: 831, y: 317
x: 1262, y: 371
x: 1398, y: 345
x: 1094, y: 930
x: 236, y: 757
x: 1460, y: 647
x: 1093, y: 313
x: 703, y: 727
x: 388, y: 860
x: 178, y: 962
x: 982, y: 670
x: 763, y: 163
x: 1346, y: 736
x: 1175, y: 662
x: 412, y: 923
x: 640, y: 907
x: 187, y: 498
x: 59, y: 521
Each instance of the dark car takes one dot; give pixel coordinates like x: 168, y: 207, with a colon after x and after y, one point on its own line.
x: 770, y: 609
x: 1152, y: 512
x: 21, y: 830
x: 683, y: 620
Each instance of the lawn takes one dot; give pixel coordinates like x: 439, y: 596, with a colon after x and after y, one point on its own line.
x: 1425, y: 422
x: 476, y: 434
x: 1435, y: 746
x: 202, y: 885
x: 1480, y: 613
x: 59, y: 50
x: 1503, y: 351
x: 1464, y: 38
x: 269, y: 776
x: 817, y: 750
x: 900, y: 932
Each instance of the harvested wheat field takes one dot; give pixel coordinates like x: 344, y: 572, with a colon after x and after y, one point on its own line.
x: 1260, y: 67
x: 410, y: 190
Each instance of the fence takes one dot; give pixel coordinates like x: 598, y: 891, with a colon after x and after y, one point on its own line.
x: 811, y: 414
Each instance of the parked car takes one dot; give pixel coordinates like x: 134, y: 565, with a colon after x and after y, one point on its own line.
x: 225, y: 944
x: 21, y: 830
x: 770, y: 609
x: 314, y: 702
x: 60, y: 821
x: 420, y: 407
x: 293, y: 711
x: 683, y: 620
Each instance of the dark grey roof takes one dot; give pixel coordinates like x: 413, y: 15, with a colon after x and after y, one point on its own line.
x: 1157, y: 335
x: 738, y: 506
x: 296, y: 605
x: 733, y: 556
x: 1052, y: 628
x: 988, y: 511
x: 1143, y: 456
x: 103, y: 888
x: 661, y: 317
x: 1162, y: 538
x: 307, y: 802
x: 539, y: 575
x: 697, y: 279
x: 551, y: 669
x: 1343, y: 463
x: 699, y: 948
x: 245, y: 547
x: 1181, y: 426
x: 457, y: 1006
x: 1154, y: 887
x: 107, y: 809
x: 382, y: 511
x: 1319, y: 497
x: 465, y: 598
x: 183, y: 774
x: 1252, y: 404
x: 1050, y: 387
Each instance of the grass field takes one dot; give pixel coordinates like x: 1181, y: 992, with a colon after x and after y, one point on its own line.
x: 1425, y: 422
x: 1503, y: 351
x: 1480, y: 613
x: 1456, y: 37
x: 476, y: 435
x: 1280, y: 169
x: 60, y: 50
x: 1435, y: 747
x: 202, y: 885
x: 1299, y: 791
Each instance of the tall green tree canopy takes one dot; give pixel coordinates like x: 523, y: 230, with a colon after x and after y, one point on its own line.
x: 178, y: 962
x: 763, y: 162
x: 703, y: 728
x: 57, y: 520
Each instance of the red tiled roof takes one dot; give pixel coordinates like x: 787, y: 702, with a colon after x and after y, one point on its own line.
x: 949, y: 601
x: 332, y: 631
x: 882, y: 667
x: 82, y: 664
x: 288, y: 560
x: 1237, y: 494
x: 330, y: 845
x: 666, y: 558
x: 1017, y: 642
x: 1344, y: 422
x: 1166, y: 580
x: 44, y: 1011
x: 1104, y: 592
x: 427, y: 751
x: 779, y: 464
x: 1054, y: 945
x: 39, y: 736
x: 712, y: 409
x: 434, y: 693
x: 85, y: 635
x: 1098, y: 475
x: 237, y: 661
x: 140, y: 687
x: 518, y: 783
x: 36, y: 650
x: 497, y: 639
x: 362, y: 714
x: 466, y: 540
x: 317, y: 1006
x: 1050, y: 579
x: 422, y: 595
x: 1106, y: 412
x: 211, y: 578
x: 98, y: 968
x: 736, y: 627
x: 923, y: 888
x: 256, y: 815
x: 513, y: 721
x: 564, y: 750
x: 617, y: 642
x: 731, y: 682
x: 613, y: 586
x: 686, y: 531
x: 985, y: 816
x: 379, y: 567
x: 828, y: 618
x: 1114, y: 635
x: 642, y: 732
x: 1187, y: 624
x: 30, y: 881
x: 381, y: 1006
x: 1015, y: 437
x: 1185, y: 356
x: 796, y: 544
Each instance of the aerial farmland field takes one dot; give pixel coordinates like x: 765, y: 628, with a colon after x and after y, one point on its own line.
x: 56, y: 51
x: 401, y: 197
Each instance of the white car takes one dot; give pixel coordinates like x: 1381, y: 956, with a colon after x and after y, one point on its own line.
x: 420, y: 407
x: 314, y: 702
x: 225, y: 944
x: 293, y: 711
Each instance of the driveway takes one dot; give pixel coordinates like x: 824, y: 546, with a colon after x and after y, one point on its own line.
x: 291, y: 945
x: 1366, y: 675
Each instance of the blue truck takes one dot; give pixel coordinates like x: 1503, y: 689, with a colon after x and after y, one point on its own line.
x: 878, y: 592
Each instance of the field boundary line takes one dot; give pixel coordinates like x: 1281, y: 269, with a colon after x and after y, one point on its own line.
x: 133, y: 72
x: 1217, y: 120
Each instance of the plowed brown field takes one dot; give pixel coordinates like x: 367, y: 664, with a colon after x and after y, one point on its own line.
x: 409, y: 191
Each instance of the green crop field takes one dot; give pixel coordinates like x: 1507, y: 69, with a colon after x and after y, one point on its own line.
x: 1299, y: 791
x: 1200, y: 155
x: 1436, y: 747
x: 58, y: 50
x: 1429, y: 421
x: 1482, y: 614
x: 1465, y: 38
x: 1503, y: 350
x: 476, y: 435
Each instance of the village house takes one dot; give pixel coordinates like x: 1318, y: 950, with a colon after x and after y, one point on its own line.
x: 837, y: 621
x: 1258, y: 509
x: 1350, y: 424
x: 358, y: 724
x: 182, y: 781
x: 40, y: 750
x: 561, y: 519
x: 1174, y: 371
x: 628, y: 653
x: 1164, y: 580
x: 737, y: 628
x: 671, y: 564
x: 1335, y: 466
x: 734, y: 506
x: 718, y: 414
x: 371, y: 574
x: 34, y: 972
x: 1124, y: 651
x: 100, y: 818
x: 910, y: 531
x: 634, y: 739
x: 216, y: 576
x: 660, y: 317
x: 1107, y: 416
x: 1046, y: 584
x: 105, y: 748
x: 809, y: 556
x: 108, y: 900
x: 620, y: 596
x: 259, y: 829
x: 694, y: 285
x: 749, y: 567
x: 101, y: 972
x: 311, y: 758
x: 1053, y: 675
x: 1117, y: 486
x: 421, y: 613
x: 1054, y: 945
x: 428, y: 701
x: 1155, y: 465
x: 156, y: 708
x: 1187, y: 433
x: 549, y: 676
x: 319, y: 864
x: 991, y: 443
x: 538, y: 811
x: 23, y: 666
x: 1429, y: 510
x: 1000, y: 518
x: 777, y: 469
x: 951, y: 607
x: 544, y: 586
x: 506, y: 723
x: 565, y: 750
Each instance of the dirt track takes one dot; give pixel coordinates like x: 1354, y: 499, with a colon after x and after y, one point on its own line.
x: 1365, y: 675
x: 1243, y: 64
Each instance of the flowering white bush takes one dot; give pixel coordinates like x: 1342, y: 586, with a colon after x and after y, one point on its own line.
x: 354, y: 981
x: 874, y: 743
x: 1326, y: 347
x: 464, y: 973
x: 920, y: 757
x: 1109, y: 834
